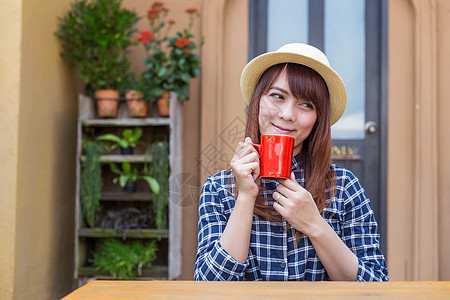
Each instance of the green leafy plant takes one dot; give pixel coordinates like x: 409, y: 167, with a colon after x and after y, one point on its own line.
x: 91, y: 182
x: 130, y: 138
x: 124, y: 260
x: 95, y: 36
x: 159, y: 168
x: 130, y: 174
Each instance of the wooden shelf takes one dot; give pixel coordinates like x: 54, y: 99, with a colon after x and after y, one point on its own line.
x: 126, y: 122
x: 138, y: 196
x: 147, y: 273
x: 117, y: 158
x: 155, y: 128
x: 132, y: 233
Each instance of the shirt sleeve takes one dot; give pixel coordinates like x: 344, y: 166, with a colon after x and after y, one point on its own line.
x: 212, y: 261
x: 360, y: 232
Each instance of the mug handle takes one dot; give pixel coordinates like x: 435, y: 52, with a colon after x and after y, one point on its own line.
x: 258, y: 147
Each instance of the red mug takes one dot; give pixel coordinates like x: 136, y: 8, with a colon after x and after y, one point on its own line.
x: 275, y: 154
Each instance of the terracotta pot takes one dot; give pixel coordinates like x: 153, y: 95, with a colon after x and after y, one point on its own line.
x: 107, y: 103
x: 164, y: 104
x: 137, y: 108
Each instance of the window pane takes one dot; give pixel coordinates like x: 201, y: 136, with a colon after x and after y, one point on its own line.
x: 287, y: 22
x: 345, y: 47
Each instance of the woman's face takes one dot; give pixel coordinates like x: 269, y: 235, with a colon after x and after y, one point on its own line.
x: 281, y: 113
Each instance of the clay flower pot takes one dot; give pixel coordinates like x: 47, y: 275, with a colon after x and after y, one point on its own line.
x: 107, y: 103
x: 164, y: 104
x: 137, y: 108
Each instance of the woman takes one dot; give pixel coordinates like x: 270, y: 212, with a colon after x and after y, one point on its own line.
x: 317, y: 225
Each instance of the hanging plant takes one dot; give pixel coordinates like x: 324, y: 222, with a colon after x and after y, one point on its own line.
x: 159, y: 169
x: 91, y: 182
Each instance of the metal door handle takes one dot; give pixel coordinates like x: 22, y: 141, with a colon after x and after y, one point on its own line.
x: 371, y: 128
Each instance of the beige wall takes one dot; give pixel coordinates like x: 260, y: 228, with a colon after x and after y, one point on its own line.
x: 418, y: 142
x: 39, y: 127
x: 10, y: 30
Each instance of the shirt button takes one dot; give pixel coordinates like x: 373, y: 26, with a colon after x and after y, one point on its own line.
x: 283, y: 265
x: 281, y: 229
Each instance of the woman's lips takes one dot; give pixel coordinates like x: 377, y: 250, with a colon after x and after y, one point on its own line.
x: 282, y: 129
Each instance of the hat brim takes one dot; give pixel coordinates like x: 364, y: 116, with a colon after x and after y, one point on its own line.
x: 336, y: 87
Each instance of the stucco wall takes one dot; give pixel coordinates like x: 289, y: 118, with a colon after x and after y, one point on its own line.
x: 10, y: 30
x: 38, y: 159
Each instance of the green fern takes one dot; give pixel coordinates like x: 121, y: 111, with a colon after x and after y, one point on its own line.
x: 124, y: 260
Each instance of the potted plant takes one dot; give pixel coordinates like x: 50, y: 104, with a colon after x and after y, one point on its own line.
x: 126, y: 219
x: 155, y: 61
x: 184, y: 63
x: 136, y: 97
x: 128, y: 141
x: 129, y: 175
x: 172, y: 72
x: 95, y: 36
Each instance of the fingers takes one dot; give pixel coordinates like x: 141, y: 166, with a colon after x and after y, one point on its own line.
x: 290, y: 184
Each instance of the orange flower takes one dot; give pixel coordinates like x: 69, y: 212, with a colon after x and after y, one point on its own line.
x: 187, y: 51
x: 179, y: 43
x: 145, y: 38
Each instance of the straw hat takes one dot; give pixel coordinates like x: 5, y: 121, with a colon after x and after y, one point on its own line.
x: 301, y: 54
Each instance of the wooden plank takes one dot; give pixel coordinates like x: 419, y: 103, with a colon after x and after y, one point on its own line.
x: 122, y: 196
x: 175, y: 187
x: 261, y: 290
x: 113, y: 158
x: 153, y: 272
x: 126, y: 122
x: 132, y: 233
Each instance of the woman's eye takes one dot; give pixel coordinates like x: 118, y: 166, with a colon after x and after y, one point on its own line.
x: 276, y: 96
x: 306, y: 105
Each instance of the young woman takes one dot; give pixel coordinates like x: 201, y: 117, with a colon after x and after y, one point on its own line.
x: 317, y: 225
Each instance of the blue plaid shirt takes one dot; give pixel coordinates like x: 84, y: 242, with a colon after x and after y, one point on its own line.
x: 273, y: 254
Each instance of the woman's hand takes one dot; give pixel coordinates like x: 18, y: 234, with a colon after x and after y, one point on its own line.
x: 296, y: 205
x: 245, y: 165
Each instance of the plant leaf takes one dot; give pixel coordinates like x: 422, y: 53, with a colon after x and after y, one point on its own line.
x: 153, y: 184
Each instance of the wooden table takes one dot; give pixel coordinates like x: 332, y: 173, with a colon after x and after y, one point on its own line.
x: 103, y: 289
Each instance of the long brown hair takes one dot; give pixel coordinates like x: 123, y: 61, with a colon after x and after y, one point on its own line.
x: 315, y: 157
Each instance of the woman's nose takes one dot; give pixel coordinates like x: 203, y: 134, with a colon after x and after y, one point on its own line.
x: 286, y: 112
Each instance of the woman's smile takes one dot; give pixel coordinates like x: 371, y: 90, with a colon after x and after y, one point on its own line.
x: 282, y: 129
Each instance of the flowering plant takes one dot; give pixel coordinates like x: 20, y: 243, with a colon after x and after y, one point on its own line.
x: 170, y: 61
x: 184, y: 63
